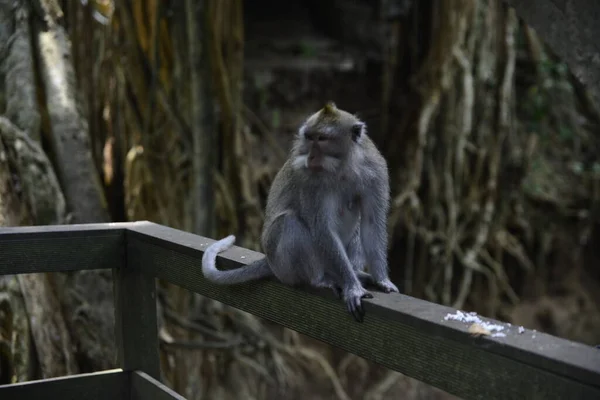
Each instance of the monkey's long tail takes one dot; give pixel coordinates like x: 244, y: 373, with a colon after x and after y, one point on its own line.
x: 255, y: 270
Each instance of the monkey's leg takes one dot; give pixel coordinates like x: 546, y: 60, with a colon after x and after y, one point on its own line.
x: 365, y: 278
x: 329, y: 283
x: 292, y: 255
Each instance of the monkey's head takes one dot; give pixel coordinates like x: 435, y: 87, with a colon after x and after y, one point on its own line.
x: 326, y: 139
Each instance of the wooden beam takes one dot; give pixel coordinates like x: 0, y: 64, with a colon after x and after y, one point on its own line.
x: 143, y: 387
x: 111, y: 384
x: 136, y: 330
x: 402, y: 333
x: 571, y: 28
x: 56, y: 248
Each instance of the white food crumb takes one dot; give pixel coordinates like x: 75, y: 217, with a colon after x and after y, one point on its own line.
x: 243, y: 257
x: 521, y: 329
x: 499, y: 334
x: 473, y: 318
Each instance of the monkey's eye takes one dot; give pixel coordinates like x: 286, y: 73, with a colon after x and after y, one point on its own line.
x: 312, y: 136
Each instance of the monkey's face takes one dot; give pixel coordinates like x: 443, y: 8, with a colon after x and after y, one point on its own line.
x: 320, y: 150
x: 326, y: 139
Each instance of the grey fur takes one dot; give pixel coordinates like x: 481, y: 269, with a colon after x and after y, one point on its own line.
x: 256, y: 270
x: 321, y: 228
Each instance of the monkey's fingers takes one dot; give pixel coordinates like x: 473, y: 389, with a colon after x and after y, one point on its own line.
x: 354, y: 305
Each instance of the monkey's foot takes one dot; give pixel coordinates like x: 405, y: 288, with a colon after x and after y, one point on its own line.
x: 365, y: 278
x: 387, y: 286
x: 337, y: 291
x: 353, y: 300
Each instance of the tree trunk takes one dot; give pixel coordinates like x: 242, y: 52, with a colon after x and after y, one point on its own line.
x: 71, y: 310
x: 86, y: 296
x: 69, y: 136
x: 201, y: 118
x: 479, y: 172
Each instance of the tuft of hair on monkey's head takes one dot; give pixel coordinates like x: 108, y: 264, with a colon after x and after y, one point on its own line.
x: 329, y: 110
x: 332, y: 121
x: 327, y: 138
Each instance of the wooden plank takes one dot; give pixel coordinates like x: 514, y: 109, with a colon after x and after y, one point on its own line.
x: 35, y: 249
x: 143, y: 387
x: 62, y: 230
x: 110, y: 384
x: 402, y: 333
x: 136, y: 331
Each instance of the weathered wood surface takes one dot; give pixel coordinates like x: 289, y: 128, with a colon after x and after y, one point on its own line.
x: 112, y: 384
x: 136, y: 330
x: 61, y: 248
x: 402, y: 333
x: 105, y: 385
x: 399, y: 332
x: 571, y: 28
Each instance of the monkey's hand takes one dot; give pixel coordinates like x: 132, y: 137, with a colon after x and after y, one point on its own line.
x: 387, y: 286
x: 353, y: 298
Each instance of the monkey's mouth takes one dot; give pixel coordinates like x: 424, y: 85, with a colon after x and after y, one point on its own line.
x: 318, y: 165
x: 322, y: 164
x: 315, y: 163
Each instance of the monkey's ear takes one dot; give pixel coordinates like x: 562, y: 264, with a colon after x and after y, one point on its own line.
x: 302, y: 131
x: 358, y: 130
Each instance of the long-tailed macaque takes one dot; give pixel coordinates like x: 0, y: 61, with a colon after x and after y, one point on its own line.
x: 326, y: 214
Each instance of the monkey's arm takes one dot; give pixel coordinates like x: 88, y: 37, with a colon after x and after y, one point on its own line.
x: 356, y: 253
x: 373, y: 228
x: 341, y: 270
x: 344, y: 275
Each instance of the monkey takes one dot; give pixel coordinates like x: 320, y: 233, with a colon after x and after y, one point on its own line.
x: 326, y: 214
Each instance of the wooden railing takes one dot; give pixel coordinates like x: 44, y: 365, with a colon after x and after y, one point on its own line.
x: 405, y: 334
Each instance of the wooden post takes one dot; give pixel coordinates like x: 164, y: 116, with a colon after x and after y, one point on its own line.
x: 135, y: 316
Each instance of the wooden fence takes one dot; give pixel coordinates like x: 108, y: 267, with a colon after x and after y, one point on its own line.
x: 419, y: 339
